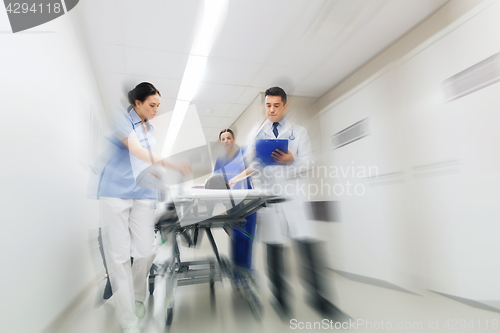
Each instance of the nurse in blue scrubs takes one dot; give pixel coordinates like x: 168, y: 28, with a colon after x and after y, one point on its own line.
x: 126, y: 209
x: 231, y: 165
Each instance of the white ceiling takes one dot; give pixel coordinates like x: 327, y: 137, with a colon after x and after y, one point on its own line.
x: 305, y: 46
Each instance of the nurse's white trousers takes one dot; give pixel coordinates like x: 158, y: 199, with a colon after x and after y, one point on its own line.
x: 127, y: 228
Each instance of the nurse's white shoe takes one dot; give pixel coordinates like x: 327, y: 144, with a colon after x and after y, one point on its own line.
x: 133, y: 329
x: 140, y: 310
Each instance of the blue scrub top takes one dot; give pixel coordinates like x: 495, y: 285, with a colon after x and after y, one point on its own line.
x: 117, y: 178
x: 232, y: 167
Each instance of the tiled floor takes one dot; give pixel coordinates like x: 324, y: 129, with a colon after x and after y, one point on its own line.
x: 196, y: 311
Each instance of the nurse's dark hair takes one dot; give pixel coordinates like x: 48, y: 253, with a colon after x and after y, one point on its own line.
x: 277, y: 91
x: 228, y: 130
x: 142, y: 91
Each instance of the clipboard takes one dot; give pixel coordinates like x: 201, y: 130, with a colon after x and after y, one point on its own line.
x: 265, y: 147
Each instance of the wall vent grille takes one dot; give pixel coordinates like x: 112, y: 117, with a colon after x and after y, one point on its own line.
x: 350, y: 134
x: 472, y: 79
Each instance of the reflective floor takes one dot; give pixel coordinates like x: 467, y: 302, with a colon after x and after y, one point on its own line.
x: 372, y: 308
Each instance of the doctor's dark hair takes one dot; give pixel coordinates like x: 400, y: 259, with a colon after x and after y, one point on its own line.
x: 277, y: 91
x: 227, y: 130
x: 142, y: 91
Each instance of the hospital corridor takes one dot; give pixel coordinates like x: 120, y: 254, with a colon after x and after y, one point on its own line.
x: 250, y: 166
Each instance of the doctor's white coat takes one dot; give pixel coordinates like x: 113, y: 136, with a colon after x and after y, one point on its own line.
x: 289, y: 219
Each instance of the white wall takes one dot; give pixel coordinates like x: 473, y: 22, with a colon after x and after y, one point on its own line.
x: 249, y: 121
x: 47, y: 89
x: 431, y: 219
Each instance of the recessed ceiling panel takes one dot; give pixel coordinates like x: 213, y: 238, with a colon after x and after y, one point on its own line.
x: 249, y: 95
x: 108, y: 57
x: 213, y: 92
x: 103, y: 20
x: 150, y: 62
x: 217, y: 109
x: 285, y: 77
x: 254, y: 28
x: 307, y: 47
x: 236, y: 110
x: 230, y: 71
x: 163, y: 25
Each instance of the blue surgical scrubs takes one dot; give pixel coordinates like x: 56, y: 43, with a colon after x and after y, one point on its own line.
x: 122, y: 167
x: 241, y: 243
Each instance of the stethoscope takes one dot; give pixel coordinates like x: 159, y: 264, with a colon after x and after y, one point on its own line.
x: 291, y: 137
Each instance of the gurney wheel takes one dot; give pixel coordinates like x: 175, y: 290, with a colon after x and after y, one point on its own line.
x: 255, y: 305
x: 152, y: 275
x: 170, y: 316
x: 234, y: 285
x: 151, y: 287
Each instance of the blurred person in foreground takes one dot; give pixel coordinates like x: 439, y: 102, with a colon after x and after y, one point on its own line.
x: 288, y: 219
x: 127, y: 210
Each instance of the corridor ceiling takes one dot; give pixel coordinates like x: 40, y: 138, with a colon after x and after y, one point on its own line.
x: 305, y: 46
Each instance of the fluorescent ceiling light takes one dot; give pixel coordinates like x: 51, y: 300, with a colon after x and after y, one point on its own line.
x: 174, y: 126
x: 215, y: 12
x: 214, y: 15
x: 193, y: 74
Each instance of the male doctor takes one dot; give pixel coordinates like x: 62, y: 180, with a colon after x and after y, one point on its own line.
x: 278, y: 222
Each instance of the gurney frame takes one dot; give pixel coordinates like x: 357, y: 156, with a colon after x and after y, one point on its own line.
x: 184, y: 218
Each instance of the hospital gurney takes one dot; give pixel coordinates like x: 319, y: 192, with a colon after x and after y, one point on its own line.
x: 189, y: 213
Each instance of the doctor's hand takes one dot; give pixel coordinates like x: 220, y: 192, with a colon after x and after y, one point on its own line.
x: 282, y: 158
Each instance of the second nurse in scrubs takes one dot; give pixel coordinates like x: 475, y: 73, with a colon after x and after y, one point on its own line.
x: 231, y: 164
